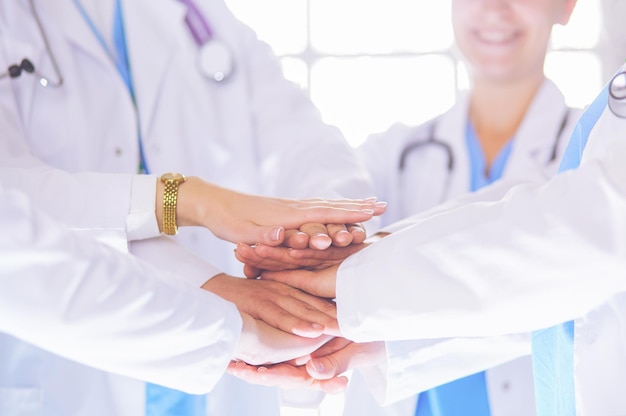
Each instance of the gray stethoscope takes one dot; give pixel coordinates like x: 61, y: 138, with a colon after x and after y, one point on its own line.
x: 215, y: 60
x: 432, y: 141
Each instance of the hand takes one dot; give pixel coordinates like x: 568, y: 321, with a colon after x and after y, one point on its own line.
x: 261, y: 343
x: 341, y: 355
x: 259, y: 258
x: 285, y: 375
x: 322, y: 236
x: 278, y: 305
x: 320, y: 283
x: 322, y: 370
x: 239, y: 217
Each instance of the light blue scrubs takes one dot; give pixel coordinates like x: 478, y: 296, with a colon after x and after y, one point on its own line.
x: 160, y: 401
x: 553, y: 348
x: 466, y: 396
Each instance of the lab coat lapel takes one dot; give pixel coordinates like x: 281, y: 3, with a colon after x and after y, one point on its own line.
x: 75, y: 28
x: 152, y: 34
x: 536, y: 137
x: 451, y: 129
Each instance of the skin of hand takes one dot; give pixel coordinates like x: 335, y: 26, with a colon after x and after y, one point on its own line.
x: 320, y: 283
x: 261, y: 343
x: 323, y: 367
x: 260, y: 258
x: 239, y: 217
x: 340, y: 355
x: 286, y: 376
x: 322, y: 236
x: 281, y: 306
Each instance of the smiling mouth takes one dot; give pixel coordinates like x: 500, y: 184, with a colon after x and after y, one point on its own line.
x: 495, y: 37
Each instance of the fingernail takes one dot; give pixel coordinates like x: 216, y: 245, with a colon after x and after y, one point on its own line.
x: 380, y: 204
x: 370, y: 199
x: 276, y: 234
x: 317, y: 327
x: 318, y: 366
x: 367, y: 211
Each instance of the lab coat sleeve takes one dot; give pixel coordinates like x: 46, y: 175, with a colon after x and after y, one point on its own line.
x: 379, y: 153
x: 541, y: 255
x: 82, y: 201
x: 301, y: 157
x: 413, y: 366
x: 92, y: 304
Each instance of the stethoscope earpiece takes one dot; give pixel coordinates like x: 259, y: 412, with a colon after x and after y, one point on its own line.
x: 27, y: 66
x: 15, y: 70
x: 617, y: 95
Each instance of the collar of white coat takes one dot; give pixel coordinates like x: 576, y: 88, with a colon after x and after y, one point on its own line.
x: 151, y: 43
x: 534, y: 138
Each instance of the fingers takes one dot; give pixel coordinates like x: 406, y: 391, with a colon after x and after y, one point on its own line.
x: 339, y: 234
x: 332, y: 346
x: 303, y: 317
x: 319, y: 283
x: 317, y: 258
x: 251, y: 272
x: 272, y: 236
x: 326, y: 215
x: 358, y: 233
x: 261, y: 257
x: 317, y: 206
x: 280, y: 306
x: 318, y: 235
x: 285, y: 376
x: 296, y: 239
x: 353, y: 355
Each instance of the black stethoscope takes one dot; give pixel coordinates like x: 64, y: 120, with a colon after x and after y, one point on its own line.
x: 215, y: 59
x: 432, y: 141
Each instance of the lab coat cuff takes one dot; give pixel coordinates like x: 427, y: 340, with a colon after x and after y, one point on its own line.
x: 396, y: 377
x: 141, y: 221
x: 414, y: 366
x: 166, y: 254
x: 347, y: 295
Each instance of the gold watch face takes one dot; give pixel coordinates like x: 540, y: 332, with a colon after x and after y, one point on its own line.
x: 171, y: 176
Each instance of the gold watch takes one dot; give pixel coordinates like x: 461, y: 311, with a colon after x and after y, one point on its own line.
x: 170, y: 197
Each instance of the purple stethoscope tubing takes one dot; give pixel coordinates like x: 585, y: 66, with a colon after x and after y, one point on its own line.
x: 215, y: 60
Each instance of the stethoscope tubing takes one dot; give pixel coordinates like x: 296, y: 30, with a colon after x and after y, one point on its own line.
x: 215, y: 59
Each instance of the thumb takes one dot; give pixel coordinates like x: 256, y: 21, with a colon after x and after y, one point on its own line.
x: 271, y: 236
x: 327, y: 367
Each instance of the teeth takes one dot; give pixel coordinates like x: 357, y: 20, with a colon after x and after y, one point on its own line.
x: 495, y: 36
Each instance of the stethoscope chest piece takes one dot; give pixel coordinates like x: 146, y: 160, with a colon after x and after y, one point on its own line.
x: 617, y: 95
x: 215, y: 60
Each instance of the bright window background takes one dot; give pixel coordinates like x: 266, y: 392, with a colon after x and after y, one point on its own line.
x: 367, y: 64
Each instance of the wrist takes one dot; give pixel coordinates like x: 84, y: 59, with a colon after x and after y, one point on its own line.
x: 197, y: 203
x: 167, y: 202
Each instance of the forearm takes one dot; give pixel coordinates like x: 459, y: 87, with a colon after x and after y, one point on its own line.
x: 94, y: 305
x: 492, y: 268
x: 414, y: 366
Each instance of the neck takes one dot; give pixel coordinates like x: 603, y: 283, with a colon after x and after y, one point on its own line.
x: 496, y: 111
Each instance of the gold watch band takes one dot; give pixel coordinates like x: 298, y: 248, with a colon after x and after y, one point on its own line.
x: 170, y: 199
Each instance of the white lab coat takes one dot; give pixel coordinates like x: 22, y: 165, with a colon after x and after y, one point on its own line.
x: 256, y: 133
x: 505, y: 261
x: 88, y: 302
x: 423, y: 182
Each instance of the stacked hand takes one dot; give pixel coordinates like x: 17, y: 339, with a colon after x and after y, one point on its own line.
x: 281, y: 318
x: 307, y: 263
